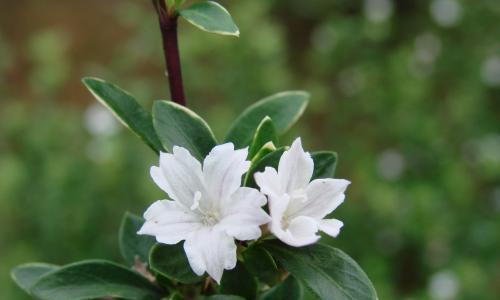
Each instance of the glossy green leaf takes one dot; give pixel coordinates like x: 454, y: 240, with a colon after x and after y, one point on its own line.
x: 176, y: 125
x: 324, y: 164
x: 283, y: 108
x: 225, y: 297
x: 261, y: 264
x: 133, y: 245
x: 290, y: 289
x: 210, y: 16
x: 171, y: 261
x: 126, y: 109
x: 327, y: 271
x: 264, y: 134
x: 94, y: 279
x: 269, y: 160
x: 240, y: 282
x: 25, y: 276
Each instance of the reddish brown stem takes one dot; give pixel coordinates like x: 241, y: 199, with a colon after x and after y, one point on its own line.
x: 168, y: 26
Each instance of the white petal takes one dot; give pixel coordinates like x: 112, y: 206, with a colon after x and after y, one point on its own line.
x: 212, y: 251
x: 169, y: 222
x: 243, y: 215
x: 295, y: 168
x: 223, y: 169
x: 323, y: 197
x: 179, y: 175
x: 269, y: 182
x: 303, y: 231
x: 331, y: 227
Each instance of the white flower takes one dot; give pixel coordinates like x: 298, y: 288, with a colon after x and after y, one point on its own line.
x: 297, y: 206
x: 209, y: 208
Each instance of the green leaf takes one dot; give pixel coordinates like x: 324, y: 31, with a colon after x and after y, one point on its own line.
x: 265, y: 133
x: 327, y: 271
x: 94, y: 279
x: 283, y: 108
x: 210, y: 16
x: 171, y: 262
x: 126, y: 109
x: 269, y: 160
x: 133, y: 245
x: 27, y: 275
x: 324, y: 164
x: 290, y: 289
x: 178, y: 126
x: 261, y: 264
x: 240, y: 282
x: 224, y: 297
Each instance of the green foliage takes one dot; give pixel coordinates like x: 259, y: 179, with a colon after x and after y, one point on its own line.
x: 210, y: 16
x: 328, y: 272
x: 268, y: 160
x: 171, y: 261
x: 27, y: 275
x: 239, y: 282
x: 126, y: 109
x: 264, y: 134
x: 94, y: 279
x: 262, y: 265
x: 324, y: 164
x: 283, y: 108
x: 176, y: 125
x: 289, y: 289
x: 134, y: 247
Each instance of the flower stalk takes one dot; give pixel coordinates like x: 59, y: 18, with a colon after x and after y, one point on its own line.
x: 168, y: 25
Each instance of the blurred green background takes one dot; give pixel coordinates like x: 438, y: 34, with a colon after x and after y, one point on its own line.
x: 407, y: 92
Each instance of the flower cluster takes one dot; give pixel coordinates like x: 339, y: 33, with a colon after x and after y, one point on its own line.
x: 209, y: 209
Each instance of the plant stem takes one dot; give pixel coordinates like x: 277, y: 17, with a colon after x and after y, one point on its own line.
x: 168, y: 26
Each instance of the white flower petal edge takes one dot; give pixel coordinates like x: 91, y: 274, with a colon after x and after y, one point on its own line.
x: 209, y: 208
x: 297, y: 206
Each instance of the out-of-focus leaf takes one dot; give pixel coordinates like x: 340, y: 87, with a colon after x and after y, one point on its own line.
x: 327, y: 271
x: 210, y: 16
x: 264, y: 134
x: 324, y: 164
x: 290, y: 289
x: 131, y: 244
x: 27, y: 275
x: 94, y: 279
x: 176, y: 125
x: 283, y: 108
x: 171, y: 262
x: 240, y: 282
x: 126, y: 109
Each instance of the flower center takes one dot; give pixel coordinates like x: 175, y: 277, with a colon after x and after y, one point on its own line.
x: 210, y: 219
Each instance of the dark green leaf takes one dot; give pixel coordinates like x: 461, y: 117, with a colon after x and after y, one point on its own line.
x: 290, y: 289
x: 324, y: 164
x: 131, y: 244
x: 125, y: 107
x: 261, y: 264
x: 270, y: 160
x: 224, y: 297
x: 240, y: 282
x: 264, y: 134
x: 210, y: 16
x: 171, y: 262
x: 27, y: 275
x: 283, y: 108
x: 178, y: 126
x: 327, y: 271
x: 94, y: 279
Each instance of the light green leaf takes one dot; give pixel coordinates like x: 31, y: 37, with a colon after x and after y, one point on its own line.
x: 131, y: 244
x: 264, y: 134
x: 94, y: 279
x: 261, y: 264
x: 27, y: 275
x: 210, y: 16
x: 269, y: 160
x: 324, y: 164
x: 240, y: 282
x: 178, y: 126
x: 171, y: 261
x: 290, y: 289
x: 327, y: 271
x: 283, y: 108
x: 126, y: 109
